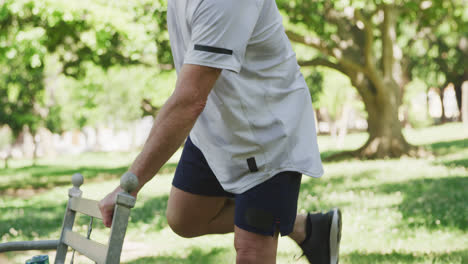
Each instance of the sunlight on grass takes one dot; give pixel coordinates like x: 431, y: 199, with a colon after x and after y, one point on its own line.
x: 394, y: 211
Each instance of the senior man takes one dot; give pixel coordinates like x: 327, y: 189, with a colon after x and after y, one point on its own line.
x: 245, y: 111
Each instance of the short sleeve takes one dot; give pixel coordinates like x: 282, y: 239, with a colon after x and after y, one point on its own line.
x: 220, y: 32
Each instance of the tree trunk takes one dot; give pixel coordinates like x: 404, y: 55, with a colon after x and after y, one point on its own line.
x: 6, y: 159
x: 376, y: 76
x: 458, y: 95
x: 333, y: 130
x: 443, y: 118
x: 343, y: 126
x: 34, y: 151
x: 97, y: 144
x: 385, y: 130
x: 464, y: 111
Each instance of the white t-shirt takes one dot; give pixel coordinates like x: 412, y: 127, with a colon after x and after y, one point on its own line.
x: 258, y: 120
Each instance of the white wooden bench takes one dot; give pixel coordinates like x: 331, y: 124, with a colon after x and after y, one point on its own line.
x: 95, y: 251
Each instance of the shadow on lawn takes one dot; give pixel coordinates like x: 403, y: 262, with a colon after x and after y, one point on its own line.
x: 313, y: 189
x: 152, y: 212
x: 324, y: 155
x: 433, y: 203
x: 451, y: 147
x: 438, y: 148
x: 48, y: 176
x: 456, y: 163
x: 448, y: 147
x: 32, y: 220
x: 224, y: 255
x: 197, y: 256
x: 36, y: 219
x: 455, y: 257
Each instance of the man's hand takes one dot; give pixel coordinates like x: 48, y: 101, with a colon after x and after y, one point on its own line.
x: 107, y: 206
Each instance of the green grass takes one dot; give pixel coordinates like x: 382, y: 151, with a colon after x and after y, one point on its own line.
x: 404, y: 210
x: 48, y: 173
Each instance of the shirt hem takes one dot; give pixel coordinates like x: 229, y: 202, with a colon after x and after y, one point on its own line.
x: 270, y: 174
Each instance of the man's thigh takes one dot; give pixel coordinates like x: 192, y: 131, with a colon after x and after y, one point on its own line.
x: 193, y: 206
x: 192, y: 215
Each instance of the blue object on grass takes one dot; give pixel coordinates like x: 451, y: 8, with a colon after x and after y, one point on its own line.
x: 41, y: 259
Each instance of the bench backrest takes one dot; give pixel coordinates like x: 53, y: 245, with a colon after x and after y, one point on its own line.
x: 98, y: 252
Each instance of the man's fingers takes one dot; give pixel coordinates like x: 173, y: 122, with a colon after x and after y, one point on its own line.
x: 107, y: 219
x: 107, y: 212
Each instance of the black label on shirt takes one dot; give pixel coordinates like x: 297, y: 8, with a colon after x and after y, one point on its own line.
x: 213, y: 49
x: 252, y: 164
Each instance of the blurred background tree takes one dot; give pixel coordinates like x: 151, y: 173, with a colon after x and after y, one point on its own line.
x: 436, y: 47
x: 62, y: 63
x: 370, y: 42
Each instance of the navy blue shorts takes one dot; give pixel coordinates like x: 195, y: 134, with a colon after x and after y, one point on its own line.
x: 265, y: 209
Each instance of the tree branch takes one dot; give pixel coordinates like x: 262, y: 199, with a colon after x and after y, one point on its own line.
x: 318, y: 44
x: 312, y: 42
x: 369, y: 42
x: 388, y: 38
x: 321, y: 62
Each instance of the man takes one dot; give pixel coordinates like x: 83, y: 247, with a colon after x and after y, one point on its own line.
x: 241, y: 97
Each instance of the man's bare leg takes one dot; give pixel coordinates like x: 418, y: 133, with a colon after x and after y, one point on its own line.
x: 299, y: 232
x: 191, y: 215
x: 253, y: 248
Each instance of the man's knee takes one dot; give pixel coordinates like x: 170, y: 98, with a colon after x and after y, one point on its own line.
x: 181, y: 226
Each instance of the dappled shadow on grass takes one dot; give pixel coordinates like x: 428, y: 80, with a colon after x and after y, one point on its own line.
x: 48, y: 176
x: 196, y: 256
x: 31, y: 221
x: 438, y: 148
x: 313, y: 189
x: 448, y: 147
x: 153, y: 212
x: 40, y: 220
x: 325, y: 155
x: 456, y: 163
x: 455, y: 257
x: 338, y: 182
x: 433, y: 203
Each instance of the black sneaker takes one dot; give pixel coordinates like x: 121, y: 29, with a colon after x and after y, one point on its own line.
x: 323, y: 234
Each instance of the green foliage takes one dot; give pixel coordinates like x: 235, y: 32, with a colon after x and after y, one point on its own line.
x: 314, y: 81
x: 113, y: 97
x: 78, y: 35
x: 438, y: 56
x: 337, y: 91
x: 53, y: 121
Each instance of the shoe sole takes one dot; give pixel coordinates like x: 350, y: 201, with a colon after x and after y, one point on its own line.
x: 335, y: 236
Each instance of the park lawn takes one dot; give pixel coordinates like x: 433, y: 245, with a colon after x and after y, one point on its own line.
x: 394, y: 211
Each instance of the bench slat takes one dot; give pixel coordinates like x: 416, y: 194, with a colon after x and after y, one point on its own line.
x: 92, y: 249
x: 28, y: 245
x: 85, y: 206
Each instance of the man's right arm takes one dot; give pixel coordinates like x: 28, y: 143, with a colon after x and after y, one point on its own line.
x: 172, y: 125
